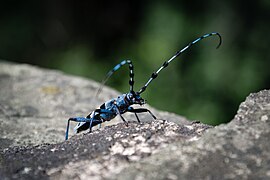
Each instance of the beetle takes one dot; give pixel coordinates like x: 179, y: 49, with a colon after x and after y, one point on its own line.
x: 123, y: 103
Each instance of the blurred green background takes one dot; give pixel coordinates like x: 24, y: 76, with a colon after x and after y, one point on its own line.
x: 88, y: 38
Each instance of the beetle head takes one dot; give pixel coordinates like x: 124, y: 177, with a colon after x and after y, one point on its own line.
x: 135, y: 98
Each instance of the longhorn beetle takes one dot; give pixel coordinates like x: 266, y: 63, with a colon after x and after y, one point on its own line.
x: 118, y: 106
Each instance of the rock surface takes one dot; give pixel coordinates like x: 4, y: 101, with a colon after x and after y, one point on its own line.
x: 36, y: 103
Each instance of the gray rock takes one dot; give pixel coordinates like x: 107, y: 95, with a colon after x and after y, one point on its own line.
x: 237, y: 150
x: 35, y: 104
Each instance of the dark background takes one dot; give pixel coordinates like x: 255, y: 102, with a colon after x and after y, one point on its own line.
x: 88, y: 38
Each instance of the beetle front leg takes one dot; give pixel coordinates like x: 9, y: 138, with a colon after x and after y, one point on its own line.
x: 140, y: 110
